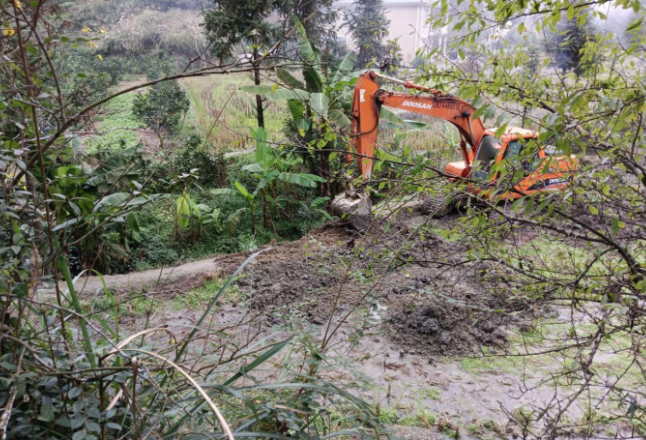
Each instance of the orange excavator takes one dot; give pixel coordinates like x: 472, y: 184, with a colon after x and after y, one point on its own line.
x: 541, y: 168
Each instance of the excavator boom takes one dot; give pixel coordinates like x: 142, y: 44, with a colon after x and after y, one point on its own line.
x: 366, y: 106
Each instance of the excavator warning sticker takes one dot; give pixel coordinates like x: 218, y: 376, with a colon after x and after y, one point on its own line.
x: 417, y: 105
x: 362, y: 95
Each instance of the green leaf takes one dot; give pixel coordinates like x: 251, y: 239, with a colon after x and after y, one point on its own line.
x: 253, y: 168
x: 346, y: 66
x: 593, y: 210
x: 615, y: 226
x: 303, y: 43
x: 303, y: 126
x: 131, y: 221
x: 391, y: 116
x: 319, y: 201
x: 264, y: 152
x: 267, y: 178
x: 301, y: 179
x: 247, y: 195
x: 257, y: 362
x: 480, y: 111
x: 289, y: 79
x: 66, y: 224
x: 112, y: 200
x: 183, y: 210
x: 415, y: 125
x: 46, y: 413
x: 314, y: 80
x: 320, y: 104
x: 529, y: 207
x: 339, y: 117
x: 20, y: 290
x: 87, y: 342
x: 296, y: 108
x: 232, y: 221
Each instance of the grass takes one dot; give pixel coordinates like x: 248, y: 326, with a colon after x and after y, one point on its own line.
x: 211, y: 95
x: 197, y: 298
x: 117, y: 127
x: 492, y: 364
x: 433, y: 393
x: 388, y: 416
x: 420, y: 419
x: 141, y: 304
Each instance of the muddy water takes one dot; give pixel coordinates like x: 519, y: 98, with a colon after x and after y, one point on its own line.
x: 391, y: 377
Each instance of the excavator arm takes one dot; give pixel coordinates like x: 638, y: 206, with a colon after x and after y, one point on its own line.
x: 366, y: 106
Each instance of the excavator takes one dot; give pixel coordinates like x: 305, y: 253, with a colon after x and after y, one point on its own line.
x: 542, y: 168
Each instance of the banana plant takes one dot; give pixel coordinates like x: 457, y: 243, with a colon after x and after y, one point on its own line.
x: 318, y: 105
x: 318, y: 96
x: 193, y: 215
x: 232, y: 221
x: 269, y: 168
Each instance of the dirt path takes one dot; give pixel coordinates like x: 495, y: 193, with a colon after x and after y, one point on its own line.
x: 188, y: 273
x: 154, y: 278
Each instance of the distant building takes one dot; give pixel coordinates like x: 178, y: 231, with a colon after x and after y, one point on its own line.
x: 407, y: 23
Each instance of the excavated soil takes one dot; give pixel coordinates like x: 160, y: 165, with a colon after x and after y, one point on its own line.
x: 426, y: 299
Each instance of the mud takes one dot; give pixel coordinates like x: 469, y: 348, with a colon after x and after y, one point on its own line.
x: 432, y: 327
x: 428, y: 302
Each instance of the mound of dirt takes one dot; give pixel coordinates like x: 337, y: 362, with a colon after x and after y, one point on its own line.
x: 430, y: 302
x: 292, y: 285
x: 432, y: 326
x: 437, y: 326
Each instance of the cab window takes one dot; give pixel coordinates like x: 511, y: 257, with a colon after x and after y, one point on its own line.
x: 485, y: 157
x: 522, y: 153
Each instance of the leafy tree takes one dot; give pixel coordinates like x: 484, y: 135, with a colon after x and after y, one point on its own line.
x: 162, y: 107
x: 268, y: 169
x: 317, y: 108
x: 567, y: 44
x: 320, y: 19
x: 369, y: 28
x: 315, y: 104
x: 393, y: 60
x: 232, y: 22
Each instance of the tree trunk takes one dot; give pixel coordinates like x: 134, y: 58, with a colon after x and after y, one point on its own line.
x: 253, y: 220
x: 256, y: 80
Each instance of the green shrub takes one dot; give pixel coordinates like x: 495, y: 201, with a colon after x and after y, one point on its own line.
x: 162, y: 107
x: 195, y: 155
x: 388, y: 416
